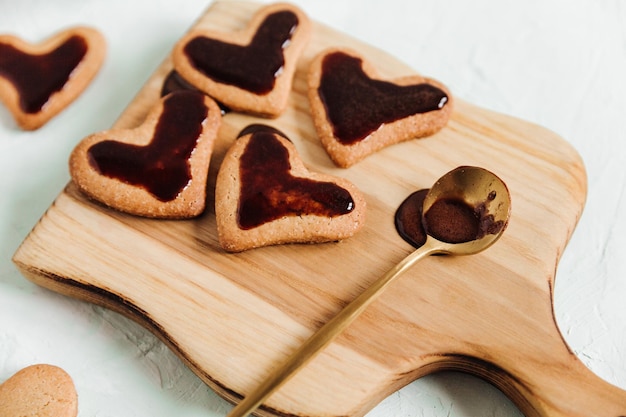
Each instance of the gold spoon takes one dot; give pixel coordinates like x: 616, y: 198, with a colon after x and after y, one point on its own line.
x: 477, y: 188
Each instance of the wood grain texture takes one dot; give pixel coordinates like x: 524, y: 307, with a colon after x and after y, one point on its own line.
x: 233, y: 317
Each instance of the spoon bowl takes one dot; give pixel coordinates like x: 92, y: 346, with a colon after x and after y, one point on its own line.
x: 479, y: 189
x: 473, y: 188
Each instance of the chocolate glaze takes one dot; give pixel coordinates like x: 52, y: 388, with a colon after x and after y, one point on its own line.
x: 269, y: 191
x: 357, y: 105
x: 253, y: 67
x: 175, y: 82
x: 450, y: 220
x: 408, y: 219
x: 161, y: 167
x: 37, y: 77
x: 260, y: 127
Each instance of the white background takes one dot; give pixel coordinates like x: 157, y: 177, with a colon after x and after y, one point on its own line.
x: 561, y: 64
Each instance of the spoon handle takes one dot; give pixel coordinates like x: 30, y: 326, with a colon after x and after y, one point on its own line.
x: 327, y: 333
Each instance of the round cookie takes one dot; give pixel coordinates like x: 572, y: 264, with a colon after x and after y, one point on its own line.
x: 39, y: 390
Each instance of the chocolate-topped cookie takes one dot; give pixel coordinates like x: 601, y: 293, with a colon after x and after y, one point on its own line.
x: 356, y: 112
x: 249, y: 70
x: 265, y: 195
x: 158, y: 169
x: 37, y: 81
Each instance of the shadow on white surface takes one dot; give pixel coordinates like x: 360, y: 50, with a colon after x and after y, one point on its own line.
x: 447, y: 394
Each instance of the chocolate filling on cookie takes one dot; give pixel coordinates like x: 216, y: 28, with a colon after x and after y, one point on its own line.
x: 357, y: 105
x: 269, y: 191
x: 161, y: 167
x: 37, y: 77
x: 253, y: 67
x: 262, y: 128
x: 175, y: 82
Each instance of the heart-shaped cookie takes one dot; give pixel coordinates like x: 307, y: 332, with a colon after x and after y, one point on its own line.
x: 158, y: 169
x: 264, y: 195
x: 356, y: 113
x: 249, y: 70
x: 39, y: 390
x: 38, y: 81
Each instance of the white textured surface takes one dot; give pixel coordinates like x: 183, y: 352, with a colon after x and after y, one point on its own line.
x: 561, y: 64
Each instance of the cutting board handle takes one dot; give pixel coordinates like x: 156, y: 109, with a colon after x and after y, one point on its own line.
x: 575, y: 390
x: 544, y: 385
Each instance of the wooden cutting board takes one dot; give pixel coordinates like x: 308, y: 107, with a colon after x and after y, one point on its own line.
x: 232, y: 318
